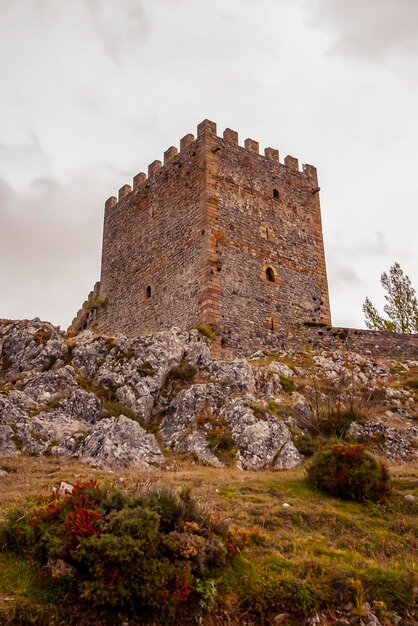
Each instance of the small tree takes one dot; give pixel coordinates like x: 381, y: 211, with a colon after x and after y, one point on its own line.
x: 401, y: 307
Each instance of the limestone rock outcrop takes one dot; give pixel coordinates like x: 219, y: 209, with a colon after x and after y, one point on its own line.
x: 119, y: 402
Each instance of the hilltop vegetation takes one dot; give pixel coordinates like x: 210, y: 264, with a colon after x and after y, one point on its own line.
x: 295, y: 552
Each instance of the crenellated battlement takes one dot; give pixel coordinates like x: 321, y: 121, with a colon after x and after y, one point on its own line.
x: 207, y: 128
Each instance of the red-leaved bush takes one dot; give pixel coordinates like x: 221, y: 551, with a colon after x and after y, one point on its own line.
x: 151, y: 555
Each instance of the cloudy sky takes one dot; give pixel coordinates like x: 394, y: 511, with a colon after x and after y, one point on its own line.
x: 94, y: 90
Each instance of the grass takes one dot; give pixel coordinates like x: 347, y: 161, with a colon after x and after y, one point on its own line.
x: 96, y: 303
x: 319, y: 552
x: 179, y: 377
x: 411, y: 383
x: 287, y: 383
x: 48, y: 407
x: 115, y: 409
x: 43, y: 336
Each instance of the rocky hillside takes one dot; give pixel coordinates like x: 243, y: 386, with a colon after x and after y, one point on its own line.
x: 119, y: 402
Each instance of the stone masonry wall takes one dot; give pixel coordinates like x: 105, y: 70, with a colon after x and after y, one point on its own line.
x: 223, y: 235
x: 153, y: 247
x: 87, y: 315
x: 264, y: 215
x: 367, y: 342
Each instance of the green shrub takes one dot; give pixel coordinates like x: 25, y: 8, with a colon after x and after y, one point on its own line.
x: 220, y: 439
x: 350, y: 472
x: 207, y: 330
x: 340, y: 334
x: 146, y: 369
x: 152, y: 554
x: 184, y: 372
x: 308, y: 444
x: 258, y: 409
x: 276, y: 407
x: 110, y: 404
x: 47, y: 407
x: 105, y: 394
x: 221, y: 442
x: 287, y: 383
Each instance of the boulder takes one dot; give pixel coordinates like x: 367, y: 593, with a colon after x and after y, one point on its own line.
x: 7, y: 444
x: 119, y: 442
x: 180, y: 428
x: 260, y: 442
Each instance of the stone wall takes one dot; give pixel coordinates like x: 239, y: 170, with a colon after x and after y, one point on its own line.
x: 266, y: 218
x: 366, y: 342
x: 87, y: 315
x: 154, y: 247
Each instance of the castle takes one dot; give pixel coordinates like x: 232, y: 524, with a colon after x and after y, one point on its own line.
x: 220, y: 235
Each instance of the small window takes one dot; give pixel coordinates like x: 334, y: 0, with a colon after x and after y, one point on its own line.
x: 148, y: 292
x: 272, y: 324
x: 266, y: 232
x: 275, y: 194
x: 269, y: 275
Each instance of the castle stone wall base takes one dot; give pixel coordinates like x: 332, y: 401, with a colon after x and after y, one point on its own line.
x: 320, y: 337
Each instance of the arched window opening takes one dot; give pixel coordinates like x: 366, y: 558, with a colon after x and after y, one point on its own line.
x: 275, y: 194
x: 269, y: 275
x: 148, y: 292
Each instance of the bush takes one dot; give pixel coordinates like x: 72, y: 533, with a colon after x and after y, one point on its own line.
x: 208, y: 331
x: 308, y: 444
x: 221, y: 443
x: 96, y: 303
x: 349, y: 472
x: 152, y: 555
x: 411, y: 383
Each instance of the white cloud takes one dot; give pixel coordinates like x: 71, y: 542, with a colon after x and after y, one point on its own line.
x: 374, y: 30
x: 50, y: 245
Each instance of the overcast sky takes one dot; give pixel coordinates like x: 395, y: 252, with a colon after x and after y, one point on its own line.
x: 94, y: 90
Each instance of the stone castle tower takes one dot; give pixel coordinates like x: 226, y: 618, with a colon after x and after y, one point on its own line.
x: 218, y: 235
